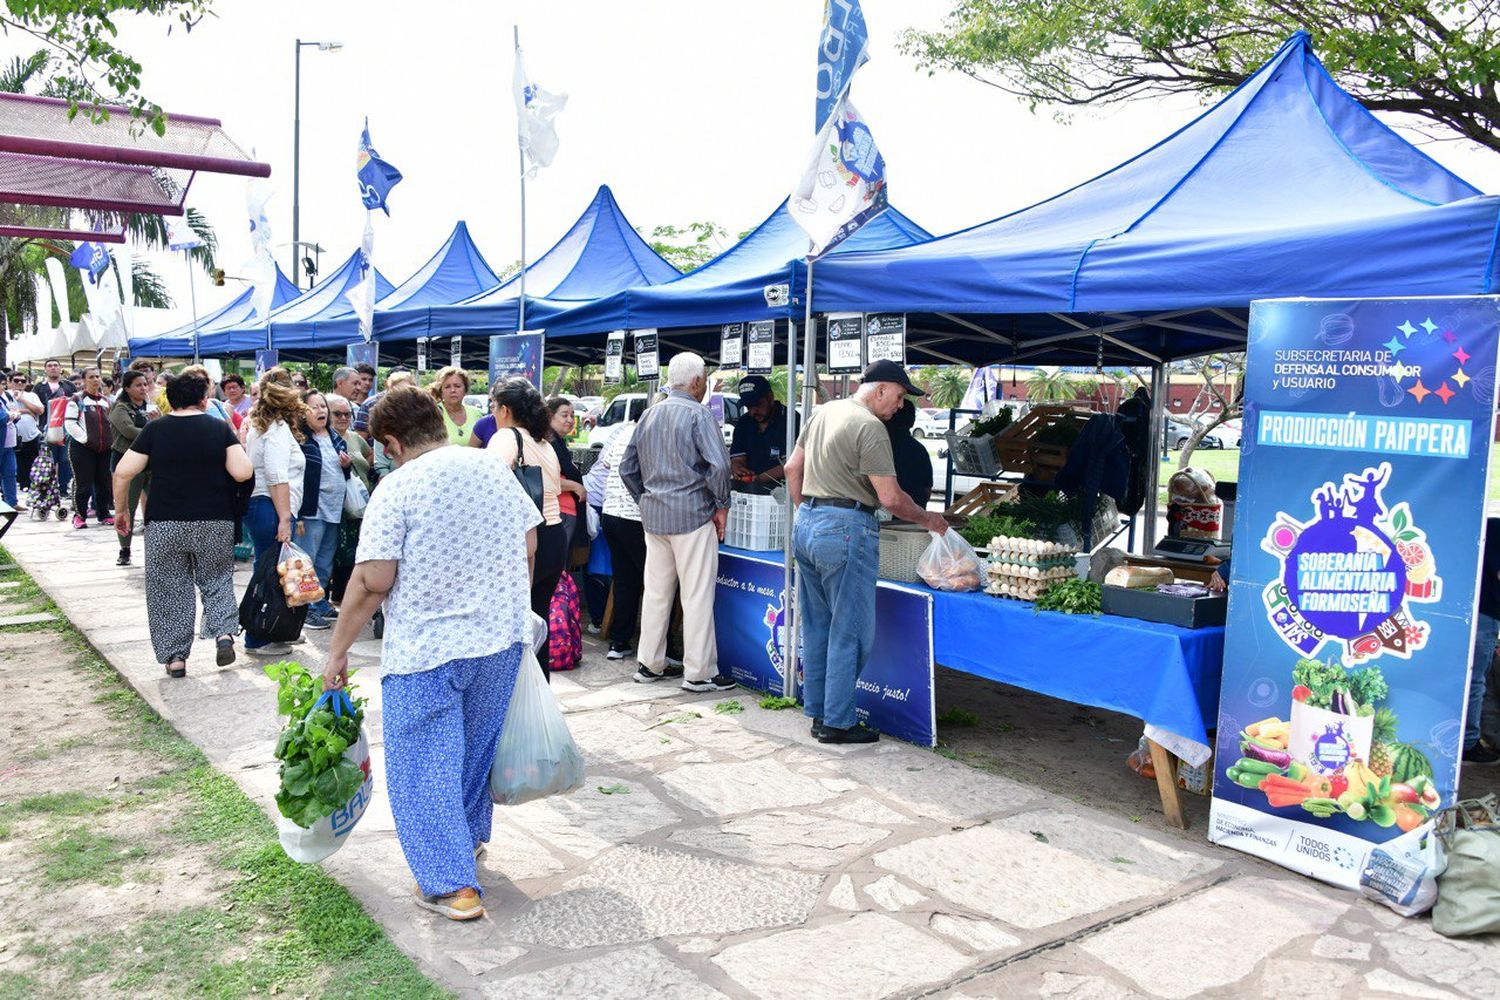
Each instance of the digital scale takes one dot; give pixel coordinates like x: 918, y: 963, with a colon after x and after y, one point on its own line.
x: 1190, y: 549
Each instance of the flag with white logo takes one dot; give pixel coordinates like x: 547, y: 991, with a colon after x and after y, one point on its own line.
x: 90, y: 258
x: 535, y: 109
x: 180, y: 235
x: 844, y: 184
x: 362, y: 294
x: 261, y: 267
x: 843, y: 47
x: 376, y: 176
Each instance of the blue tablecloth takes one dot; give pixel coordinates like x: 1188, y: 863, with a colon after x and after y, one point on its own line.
x: 1164, y: 675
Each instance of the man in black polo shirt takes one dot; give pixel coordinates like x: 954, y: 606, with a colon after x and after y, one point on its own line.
x: 758, y: 448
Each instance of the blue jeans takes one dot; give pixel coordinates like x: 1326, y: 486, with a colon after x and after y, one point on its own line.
x: 320, y: 539
x: 260, y: 521
x: 1486, y: 632
x: 64, y: 469
x: 838, y: 553
x: 8, y: 475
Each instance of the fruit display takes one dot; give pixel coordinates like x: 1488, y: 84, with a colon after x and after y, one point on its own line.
x: 299, y: 581
x: 1024, y: 567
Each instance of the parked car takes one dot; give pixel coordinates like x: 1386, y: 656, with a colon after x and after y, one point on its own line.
x: 932, y: 422
x: 627, y: 408
x: 1179, y: 433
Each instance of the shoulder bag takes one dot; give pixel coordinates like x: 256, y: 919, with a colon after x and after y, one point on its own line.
x: 529, y: 476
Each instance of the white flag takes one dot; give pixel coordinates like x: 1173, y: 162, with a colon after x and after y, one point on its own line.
x: 261, y: 267
x: 362, y: 294
x: 180, y: 235
x: 535, y: 109
x: 844, y: 185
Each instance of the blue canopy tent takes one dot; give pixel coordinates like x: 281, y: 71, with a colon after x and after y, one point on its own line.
x: 455, y: 272
x: 179, y: 342
x: 1287, y: 187
x: 601, y: 253
x: 326, y: 300
x: 738, y: 285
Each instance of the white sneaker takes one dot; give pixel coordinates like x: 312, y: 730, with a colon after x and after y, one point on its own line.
x: 619, y: 654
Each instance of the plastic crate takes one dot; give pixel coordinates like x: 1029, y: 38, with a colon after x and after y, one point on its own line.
x: 901, y: 545
x: 973, y: 456
x: 756, y: 523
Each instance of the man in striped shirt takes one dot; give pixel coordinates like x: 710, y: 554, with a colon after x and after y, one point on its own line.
x: 677, y: 469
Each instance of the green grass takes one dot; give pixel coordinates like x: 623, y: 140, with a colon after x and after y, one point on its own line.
x: 279, y: 928
x: 957, y: 717
x: 84, y: 855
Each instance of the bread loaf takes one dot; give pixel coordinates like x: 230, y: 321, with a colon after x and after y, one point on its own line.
x: 1138, y: 577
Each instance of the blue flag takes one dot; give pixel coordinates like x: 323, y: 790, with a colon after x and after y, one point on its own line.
x: 376, y: 177
x: 843, y: 47
x: 90, y: 257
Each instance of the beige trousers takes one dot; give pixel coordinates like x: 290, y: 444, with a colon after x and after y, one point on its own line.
x: 689, y: 562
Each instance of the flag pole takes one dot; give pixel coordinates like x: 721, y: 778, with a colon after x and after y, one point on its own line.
x: 521, y: 159
x: 193, y: 297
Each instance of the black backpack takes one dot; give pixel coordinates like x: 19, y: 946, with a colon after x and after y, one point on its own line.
x: 263, y: 610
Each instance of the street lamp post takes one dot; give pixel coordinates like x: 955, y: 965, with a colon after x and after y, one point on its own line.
x: 297, y: 149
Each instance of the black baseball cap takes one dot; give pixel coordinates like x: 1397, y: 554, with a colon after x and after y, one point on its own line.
x: 753, y: 388
x: 889, y: 371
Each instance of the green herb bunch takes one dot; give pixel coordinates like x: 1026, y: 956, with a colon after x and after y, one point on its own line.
x: 989, y: 425
x: 1072, y: 597
x: 979, y: 530
x: 316, y: 780
x: 1367, y: 685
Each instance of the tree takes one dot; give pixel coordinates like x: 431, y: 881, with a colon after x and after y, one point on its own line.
x: 1435, y: 59
x: 1218, y: 400
x: 1050, y: 386
x: 88, y: 67
x: 946, y: 385
x: 691, y: 246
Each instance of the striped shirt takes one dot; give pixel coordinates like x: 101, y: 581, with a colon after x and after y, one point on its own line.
x: 676, y: 466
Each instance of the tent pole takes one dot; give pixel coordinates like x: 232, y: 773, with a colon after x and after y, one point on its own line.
x: 789, y: 563
x: 1153, y: 456
x: 193, y: 297
x: 521, y: 159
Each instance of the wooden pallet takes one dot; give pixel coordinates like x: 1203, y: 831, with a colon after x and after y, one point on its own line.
x: 983, y: 498
x: 1019, y: 450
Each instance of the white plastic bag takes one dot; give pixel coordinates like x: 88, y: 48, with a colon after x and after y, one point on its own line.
x: 591, y: 520
x: 310, y: 845
x: 356, y: 497
x: 536, y: 755
x: 950, y: 563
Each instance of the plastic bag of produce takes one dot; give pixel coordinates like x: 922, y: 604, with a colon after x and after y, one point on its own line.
x: 299, y: 580
x: 326, y: 784
x: 950, y: 563
x: 536, y: 755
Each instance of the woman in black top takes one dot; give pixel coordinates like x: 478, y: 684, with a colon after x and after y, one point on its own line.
x: 913, y: 463
x: 192, y: 457
x: 127, y: 418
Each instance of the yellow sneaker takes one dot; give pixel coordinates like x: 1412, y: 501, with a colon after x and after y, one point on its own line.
x: 461, y: 905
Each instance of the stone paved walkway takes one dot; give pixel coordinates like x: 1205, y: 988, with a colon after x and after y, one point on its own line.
x: 729, y: 855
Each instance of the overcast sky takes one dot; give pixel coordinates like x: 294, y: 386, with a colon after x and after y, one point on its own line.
x: 689, y: 109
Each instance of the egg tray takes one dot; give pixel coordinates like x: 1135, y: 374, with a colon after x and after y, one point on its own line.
x: 1044, y: 562
x: 1011, y: 597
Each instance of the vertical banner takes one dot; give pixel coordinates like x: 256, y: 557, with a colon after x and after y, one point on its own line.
x: 1367, y: 435
x: 421, y: 354
x: 885, y: 338
x: 732, y: 345
x: 614, y: 358
x: 366, y: 353
x: 846, y: 343
x: 760, y: 350
x: 894, y: 693
x: 517, y: 354
x: 456, y: 351
x: 265, y: 360
x: 646, y: 360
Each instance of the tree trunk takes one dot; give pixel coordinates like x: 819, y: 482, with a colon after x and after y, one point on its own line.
x: 1196, y: 438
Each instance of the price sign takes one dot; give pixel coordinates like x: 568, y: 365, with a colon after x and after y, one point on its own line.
x: 732, y: 345
x: 761, y: 349
x: 456, y: 350
x: 614, y: 357
x: 885, y: 337
x: 646, y: 362
x: 846, y: 343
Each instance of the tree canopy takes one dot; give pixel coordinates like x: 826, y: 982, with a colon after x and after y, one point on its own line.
x: 1435, y: 59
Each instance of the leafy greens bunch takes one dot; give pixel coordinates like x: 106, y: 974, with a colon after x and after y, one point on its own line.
x: 1072, y: 597
x: 1367, y: 685
x: 315, y: 777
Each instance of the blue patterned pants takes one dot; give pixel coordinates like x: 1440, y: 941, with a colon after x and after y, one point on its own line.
x: 441, y: 727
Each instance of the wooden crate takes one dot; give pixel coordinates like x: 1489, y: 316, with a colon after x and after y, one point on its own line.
x: 1019, y: 450
x: 982, y: 499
